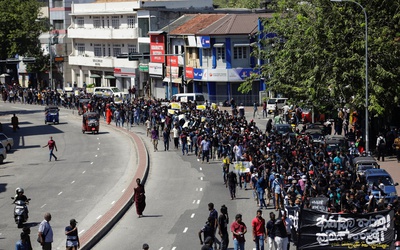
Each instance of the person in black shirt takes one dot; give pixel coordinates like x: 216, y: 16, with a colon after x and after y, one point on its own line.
x: 223, y: 221
x: 281, y: 236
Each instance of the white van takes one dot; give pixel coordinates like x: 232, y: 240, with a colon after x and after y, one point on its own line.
x: 108, y: 92
x: 271, y: 104
x: 189, y: 97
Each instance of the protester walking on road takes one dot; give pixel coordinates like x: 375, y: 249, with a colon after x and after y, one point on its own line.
x: 52, y: 145
x: 139, y: 198
x: 281, y: 236
x: 14, y: 122
x: 166, y: 138
x: 154, y: 138
x: 223, y: 222
x: 238, y: 229
x: 270, y: 232
x: 232, y: 183
x: 258, y: 225
x: 45, y: 234
x: 214, y: 223
x: 145, y: 246
x: 207, y: 230
x: 71, y: 232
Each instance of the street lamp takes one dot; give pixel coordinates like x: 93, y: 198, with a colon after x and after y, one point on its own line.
x: 366, y: 71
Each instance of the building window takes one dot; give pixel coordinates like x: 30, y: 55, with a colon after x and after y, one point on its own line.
x: 96, y: 22
x: 221, y: 53
x: 81, y: 49
x: 116, y: 49
x: 97, y: 50
x: 58, y: 24
x: 57, y: 3
x: 131, y: 22
x: 104, y: 49
x: 80, y: 21
x: 240, y: 53
x: 143, y: 27
x: 132, y: 48
x: 109, y: 51
x: 115, y: 22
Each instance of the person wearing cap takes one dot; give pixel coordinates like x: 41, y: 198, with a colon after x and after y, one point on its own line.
x: 71, y: 232
x: 145, y: 246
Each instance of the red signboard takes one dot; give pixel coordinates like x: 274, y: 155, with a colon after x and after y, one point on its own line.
x: 189, y: 73
x: 173, y: 60
x: 157, y: 48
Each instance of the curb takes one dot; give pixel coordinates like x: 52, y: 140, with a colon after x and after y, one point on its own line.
x: 102, y: 226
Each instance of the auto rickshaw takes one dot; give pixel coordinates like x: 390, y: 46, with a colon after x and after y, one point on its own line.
x: 83, y: 106
x: 90, y: 122
x: 51, y: 114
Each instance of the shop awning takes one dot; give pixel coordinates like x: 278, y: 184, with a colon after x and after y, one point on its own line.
x: 95, y: 76
x: 109, y: 77
x: 174, y: 80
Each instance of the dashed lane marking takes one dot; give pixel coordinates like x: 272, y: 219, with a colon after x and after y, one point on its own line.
x: 198, y: 202
x: 192, y: 216
x: 91, y: 163
x: 185, y: 230
x: 201, y: 169
x: 123, y: 190
x: 98, y: 148
x: 43, y: 206
x: 98, y: 217
x: 82, y: 231
x: 201, y: 189
x: 59, y: 193
x: 112, y: 203
x: 72, y: 182
x: 84, y: 172
x: 95, y: 156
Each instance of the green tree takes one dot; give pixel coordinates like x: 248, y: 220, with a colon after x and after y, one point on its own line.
x: 318, y: 54
x: 19, y: 29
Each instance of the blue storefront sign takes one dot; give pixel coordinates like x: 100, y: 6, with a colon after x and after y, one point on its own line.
x: 205, y: 42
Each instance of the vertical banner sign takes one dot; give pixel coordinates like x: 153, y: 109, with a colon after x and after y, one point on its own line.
x: 321, y: 230
x: 293, y: 214
x: 157, y: 48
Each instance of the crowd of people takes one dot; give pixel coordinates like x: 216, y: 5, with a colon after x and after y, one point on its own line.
x: 281, y: 169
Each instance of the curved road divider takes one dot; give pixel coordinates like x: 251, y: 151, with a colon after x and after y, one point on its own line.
x: 98, y: 230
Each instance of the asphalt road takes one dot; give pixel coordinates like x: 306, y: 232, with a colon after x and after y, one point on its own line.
x: 82, y: 184
x: 178, y: 190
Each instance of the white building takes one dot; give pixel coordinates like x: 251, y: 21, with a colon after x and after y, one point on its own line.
x: 102, y: 31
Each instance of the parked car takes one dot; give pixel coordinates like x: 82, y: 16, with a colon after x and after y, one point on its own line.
x: 3, y: 153
x: 282, y: 129
x: 7, y: 142
x: 388, y: 187
x: 363, y: 163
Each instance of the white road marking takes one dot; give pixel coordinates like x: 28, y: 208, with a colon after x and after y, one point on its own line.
x: 123, y: 190
x: 43, y: 206
x: 192, y: 216
x: 59, y: 193
x: 99, y: 142
x: 185, y: 230
x: 98, y: 138
x: 98, y: 217
x: 198, y: 202
x: 72, y: 182
x: 201, y: 189
x: 194, y: 201
x: 84, y: 172
x: 201, y: 178
x: 82, y: 231
x: 98, y: 148
x: 95, y: 156
x: 173, y: 248
x: 201, y: 169
x: 161, y: 248
x: 91, y: 163
x: 112, y: 203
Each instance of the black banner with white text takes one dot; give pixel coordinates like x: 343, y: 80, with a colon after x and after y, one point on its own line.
x: 321, y: 230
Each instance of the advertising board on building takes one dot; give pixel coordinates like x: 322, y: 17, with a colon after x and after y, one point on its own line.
x: 157, y: 48
x: 156, y: 69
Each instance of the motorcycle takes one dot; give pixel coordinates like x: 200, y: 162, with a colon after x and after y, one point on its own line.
x: 20, y: 212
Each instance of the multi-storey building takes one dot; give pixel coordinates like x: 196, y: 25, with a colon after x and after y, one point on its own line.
x: 216, y: 56
x: 102, y: 33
